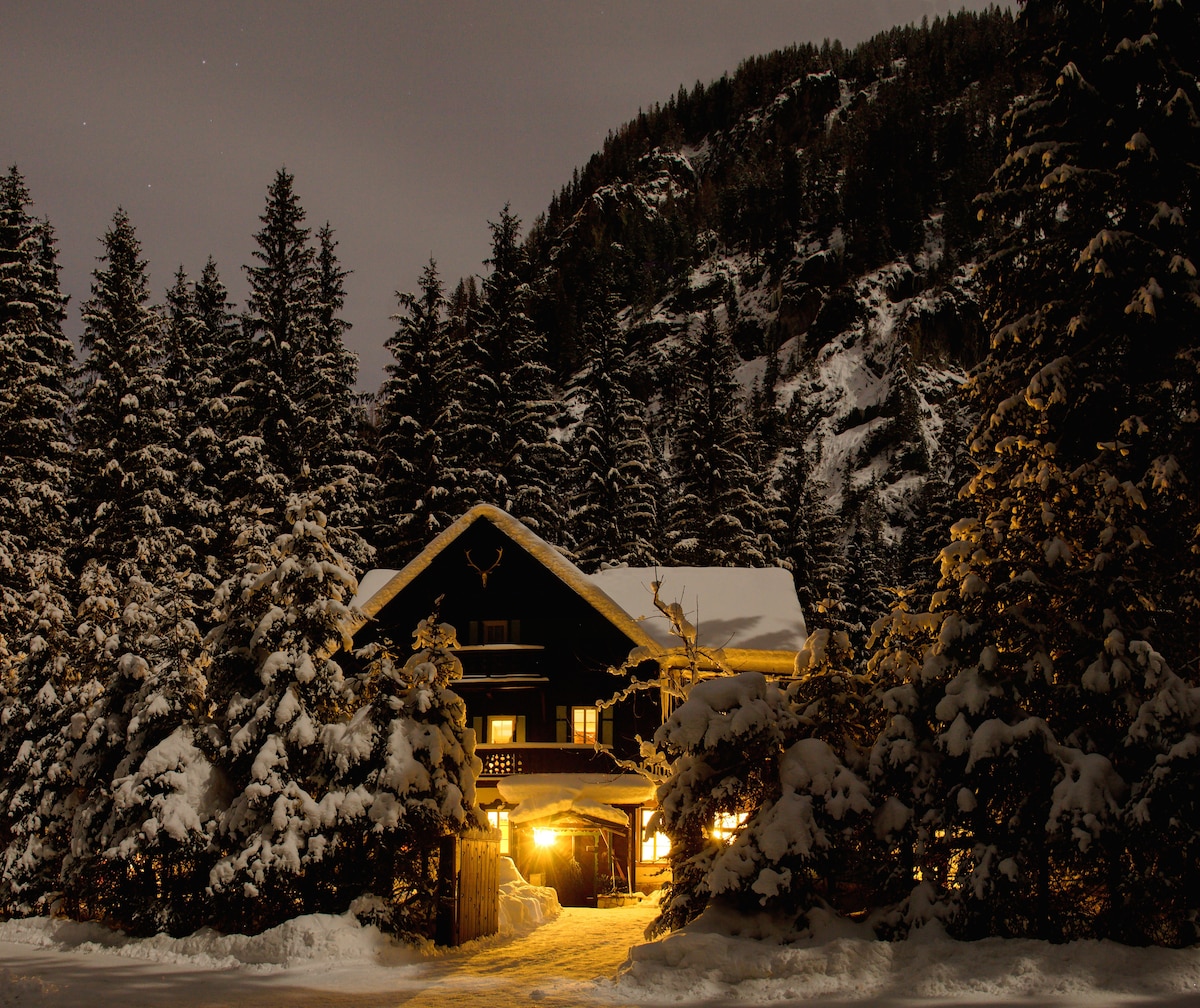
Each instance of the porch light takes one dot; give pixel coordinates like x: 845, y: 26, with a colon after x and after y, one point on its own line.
x: 544, y: 837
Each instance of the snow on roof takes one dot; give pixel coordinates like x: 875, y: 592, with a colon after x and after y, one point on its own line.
x: 370, y: 583
x: 735, y: 608
x: 752, y: 615
x: 539, y: 796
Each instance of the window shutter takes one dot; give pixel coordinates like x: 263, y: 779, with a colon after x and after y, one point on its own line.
x: 606, y: 726
x: 520, y: 728
x: 473, y: 632
x: 514, y: 631
x: 477, y: 724
x: 562, y: 729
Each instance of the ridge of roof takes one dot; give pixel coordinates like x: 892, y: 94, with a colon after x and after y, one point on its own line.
x: 547, y: 555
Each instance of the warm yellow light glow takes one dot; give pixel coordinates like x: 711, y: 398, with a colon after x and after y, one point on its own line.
x: 726, y: 825
x: 501, y: 729
x: 544, y: 837
x: 498, y: 819
x: 655, y: 846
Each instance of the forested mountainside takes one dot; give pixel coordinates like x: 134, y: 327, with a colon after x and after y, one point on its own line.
x: 819, y: 202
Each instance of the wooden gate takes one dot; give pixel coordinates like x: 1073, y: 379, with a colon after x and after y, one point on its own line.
x: 469, y: 887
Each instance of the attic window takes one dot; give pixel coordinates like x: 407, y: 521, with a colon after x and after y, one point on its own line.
x: 495, y: 631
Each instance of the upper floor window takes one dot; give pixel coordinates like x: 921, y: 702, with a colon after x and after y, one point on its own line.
x: 583, y: 725
x: 495, y: 631
x: 501, y: 729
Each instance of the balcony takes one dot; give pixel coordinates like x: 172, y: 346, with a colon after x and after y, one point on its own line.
x: 542, y: 757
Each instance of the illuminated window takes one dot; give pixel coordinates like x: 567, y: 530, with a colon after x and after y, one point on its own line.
x: 498, y: 819
x: 583, y: 725
x: 726, y: 825
x: 495, y: 631
x: 655, y: 845
x: 502, y: 730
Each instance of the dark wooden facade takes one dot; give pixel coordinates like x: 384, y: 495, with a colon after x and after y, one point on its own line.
x: 537, y: 642
x: 532, y: 649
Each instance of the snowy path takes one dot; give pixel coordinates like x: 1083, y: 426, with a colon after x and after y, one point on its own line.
x: 552, y: 965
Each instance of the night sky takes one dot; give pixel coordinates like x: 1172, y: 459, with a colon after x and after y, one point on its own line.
x: 408, y: 125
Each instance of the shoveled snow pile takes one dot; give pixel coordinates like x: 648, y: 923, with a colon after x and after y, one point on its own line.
x: 523, y: 905
x: 702, y: 963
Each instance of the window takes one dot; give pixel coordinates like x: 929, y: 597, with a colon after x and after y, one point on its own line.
x: 498, y: 819
x: 583, y: 725
x: 495, y: 631
x: 502, y: 730
x: 655, y: 845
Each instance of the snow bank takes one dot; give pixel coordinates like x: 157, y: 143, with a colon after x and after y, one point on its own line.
x: 309, y: 940
x: 704, y: 963
x: 523, y: 906
x: 322, y: 940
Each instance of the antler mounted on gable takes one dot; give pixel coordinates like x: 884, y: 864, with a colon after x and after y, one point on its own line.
x: 483, y: 574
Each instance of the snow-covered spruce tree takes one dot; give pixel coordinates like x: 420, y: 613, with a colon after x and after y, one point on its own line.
x: 137, y: 639
x: 810, y: 537
x: 293, y: 406
x: 280, y: 324
x: 198, y: 331
x: 1044, y: 670
x: 406, y: 762
x: 275, y: 687
x: 613, y: 478
x: 508, y: 401
x: 765, y: 804
x: 871, y: 574
x: 419, y: 493
x: 723, y: 747
x: 36, y: 370
x: 716, y: 512
x: 333, y: 424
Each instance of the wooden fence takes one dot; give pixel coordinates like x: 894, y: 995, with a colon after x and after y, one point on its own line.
x: 469, y: 887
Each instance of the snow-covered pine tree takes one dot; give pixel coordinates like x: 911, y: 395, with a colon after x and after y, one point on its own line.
x: 196, y: 338
x: 723, y: 747
x: 137, y: 639
x: 613, y: 481
x: 1076, y: 566
x: 36, y: 371
x: 332, y: 427
x: 871, y: 575
x: 275, y: 687
x: 810, y: 536
x: 716, y: 514
x: 36, y: 626
x: 509, y: 405
x: 294, y: 408
x: 407, y: 761
x: 280, y: 323
x: 419, y: 492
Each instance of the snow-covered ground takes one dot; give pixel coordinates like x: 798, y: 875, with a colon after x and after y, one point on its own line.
x: 576, y: 957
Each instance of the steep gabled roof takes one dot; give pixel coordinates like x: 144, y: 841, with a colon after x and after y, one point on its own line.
x: 748, y: 619
x: 378, y: 588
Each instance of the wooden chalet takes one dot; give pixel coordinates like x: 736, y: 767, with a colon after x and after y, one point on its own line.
x: 537, y: 640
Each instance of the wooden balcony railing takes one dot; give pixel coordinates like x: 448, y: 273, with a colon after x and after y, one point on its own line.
x: 542, y: 757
